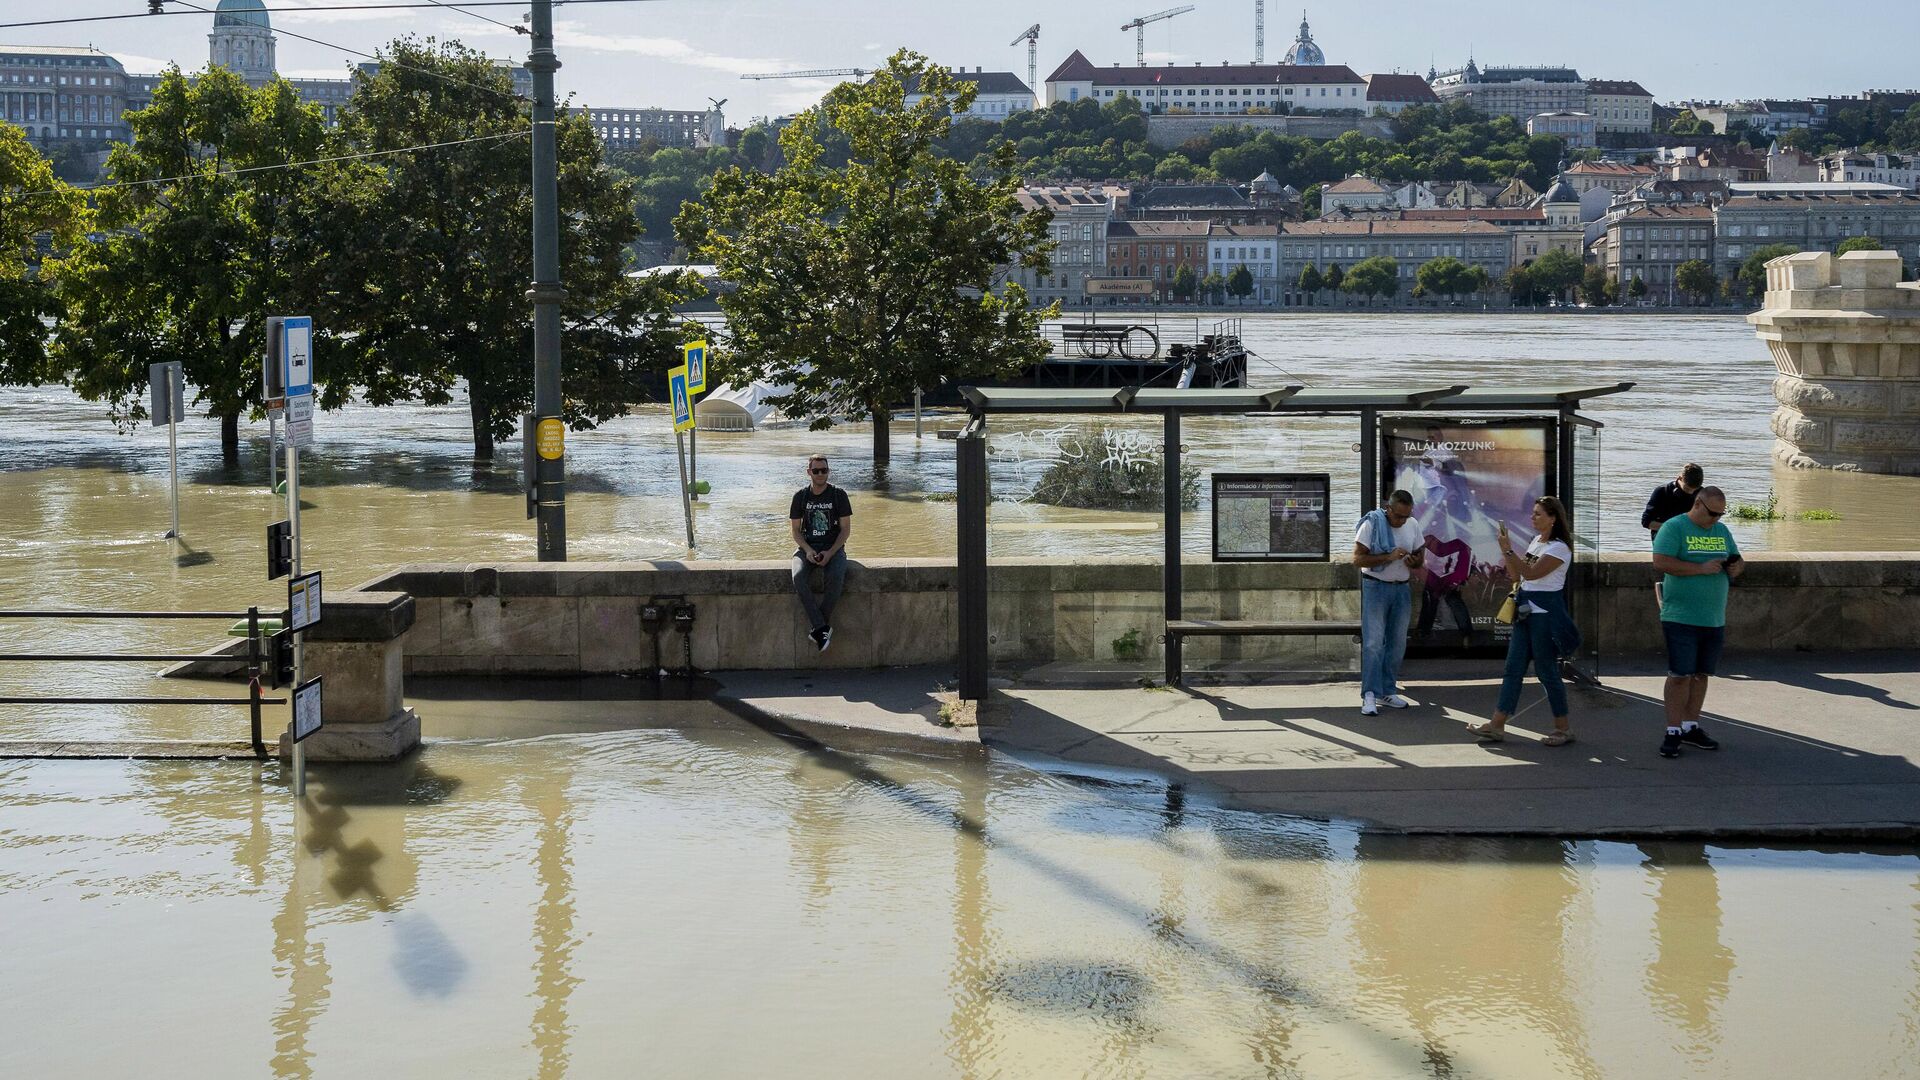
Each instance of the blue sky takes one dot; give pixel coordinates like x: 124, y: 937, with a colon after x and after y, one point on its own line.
x: 679, y: 53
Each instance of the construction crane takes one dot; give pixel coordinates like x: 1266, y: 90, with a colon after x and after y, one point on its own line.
x: 1139, y: 28
x: 1259, y: 31
x: 816, y: 73
x: 1031, y: 35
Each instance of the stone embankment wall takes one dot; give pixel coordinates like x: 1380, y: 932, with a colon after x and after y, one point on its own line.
x: 585, y: 617
x: 1845, y: 337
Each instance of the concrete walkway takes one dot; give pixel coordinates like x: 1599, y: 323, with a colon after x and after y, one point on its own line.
x: 1812, y: 746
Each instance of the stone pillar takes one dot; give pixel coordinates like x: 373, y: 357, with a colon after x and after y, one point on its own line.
x: 357, y: 649
x: 1845, y: 338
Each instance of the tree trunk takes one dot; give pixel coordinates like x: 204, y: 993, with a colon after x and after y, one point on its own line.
x: 230, y: 439
x: 482, y: 430
x: 882, y: 438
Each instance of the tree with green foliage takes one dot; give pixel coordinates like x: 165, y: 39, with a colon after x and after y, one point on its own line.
x: 1311, y: 282
x: 1522, y: 288
x: 1185, y: 284
x: 36, y: 204
x: 1479, y: 282
x: 195, y: 252
x: 1753, y: 272
x: 1695, y: 279
x: 1859, y: 243
x: 1594, y: 286
x: 424, y: 257
x: 1377, y: 275
x: 1213, y: 287
x: 1333, y: 278
x: 1240, y: 282
x: 1556, y: 272
x: 858, y: 284
x: 1445, y: 276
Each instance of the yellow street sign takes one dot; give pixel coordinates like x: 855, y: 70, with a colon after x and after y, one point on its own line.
x: 551, y: 438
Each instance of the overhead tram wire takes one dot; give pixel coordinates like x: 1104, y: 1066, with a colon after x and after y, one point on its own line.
x: 223, y: 173
x: 371, y: 56
x: 515, y: 27
x: 395, y: 6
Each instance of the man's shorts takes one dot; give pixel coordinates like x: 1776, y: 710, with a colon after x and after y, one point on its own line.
x: 1692, y: 650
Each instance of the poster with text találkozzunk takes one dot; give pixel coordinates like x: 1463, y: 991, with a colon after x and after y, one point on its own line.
x: 682, y: 399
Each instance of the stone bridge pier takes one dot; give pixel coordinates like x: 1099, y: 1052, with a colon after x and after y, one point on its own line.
x: 1845, y: 338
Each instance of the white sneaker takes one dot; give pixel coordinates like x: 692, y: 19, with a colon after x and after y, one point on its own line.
x: 1367, y: 707
x: 1396, y: 702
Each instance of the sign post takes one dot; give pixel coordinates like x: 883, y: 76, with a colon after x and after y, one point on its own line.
x: 682, y: 422
x: 167, y: 385
x: 694, y: 354
x: 296, y: 369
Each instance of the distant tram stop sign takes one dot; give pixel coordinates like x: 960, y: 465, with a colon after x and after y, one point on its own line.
x: 1119, y: 287
x: 287, y: 375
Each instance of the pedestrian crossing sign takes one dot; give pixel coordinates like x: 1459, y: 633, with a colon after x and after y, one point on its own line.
x: 695, y: 354
x: 682, y: 399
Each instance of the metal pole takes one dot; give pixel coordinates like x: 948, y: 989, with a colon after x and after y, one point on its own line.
x: 173, y: 453
x: 1170, y: 575
x: 686, y: 493
x: 253, y: 678
x: 970, y: 515
x: 299, y: 659
x: 273, y: 447
x: 916, y: 412
x: 693, y: 462
x: 547, y: 293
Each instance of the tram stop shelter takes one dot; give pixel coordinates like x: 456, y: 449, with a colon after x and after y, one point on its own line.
x: 1572, y: 472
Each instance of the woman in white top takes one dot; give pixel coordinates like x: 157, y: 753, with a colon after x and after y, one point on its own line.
x: 1542, y: 629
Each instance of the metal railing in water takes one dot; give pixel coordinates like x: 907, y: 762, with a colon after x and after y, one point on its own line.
x: 255, y: 655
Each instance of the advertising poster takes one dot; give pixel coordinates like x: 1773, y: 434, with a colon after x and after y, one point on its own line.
x: 1466, y: 478
x: 1270, y: 517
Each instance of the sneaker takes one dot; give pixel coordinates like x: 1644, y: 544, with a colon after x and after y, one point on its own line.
x: 1367, y: 706
x: 1670, y: 746
x: 1395, y: 701
x: 826, y: 637
x: 1697, y: 736
x: 817, y: 639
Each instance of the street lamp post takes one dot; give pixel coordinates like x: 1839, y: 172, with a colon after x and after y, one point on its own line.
x: 547, y: 294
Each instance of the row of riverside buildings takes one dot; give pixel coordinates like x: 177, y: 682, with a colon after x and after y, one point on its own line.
x: 1126, y: 244
x: 81, y: 96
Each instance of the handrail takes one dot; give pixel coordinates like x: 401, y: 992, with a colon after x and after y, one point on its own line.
x: 128, y: 614
x: 253, y: 700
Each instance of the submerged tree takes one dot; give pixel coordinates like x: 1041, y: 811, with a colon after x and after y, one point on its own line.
x: 425, y: 255
x: 857, y: 284
x: 197, y: 216
x: 34, y: 204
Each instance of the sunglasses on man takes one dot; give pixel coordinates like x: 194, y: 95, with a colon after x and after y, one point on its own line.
x: 818, y: 472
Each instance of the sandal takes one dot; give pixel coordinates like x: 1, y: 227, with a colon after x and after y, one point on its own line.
x: 1560, y: 737
x: 1488, y: 732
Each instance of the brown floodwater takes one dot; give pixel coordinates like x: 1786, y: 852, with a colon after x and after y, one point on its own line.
x: 730, y: 903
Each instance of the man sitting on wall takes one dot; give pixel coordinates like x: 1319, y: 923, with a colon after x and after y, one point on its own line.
x: 821, y: 518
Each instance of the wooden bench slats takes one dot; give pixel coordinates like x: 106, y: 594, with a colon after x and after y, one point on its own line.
x: 1249, y: 627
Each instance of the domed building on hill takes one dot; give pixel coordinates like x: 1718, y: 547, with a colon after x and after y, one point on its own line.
x: 242, y: 39
x: 1304, y: 52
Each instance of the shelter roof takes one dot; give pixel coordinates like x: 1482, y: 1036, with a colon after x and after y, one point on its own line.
x: 1295, y: 398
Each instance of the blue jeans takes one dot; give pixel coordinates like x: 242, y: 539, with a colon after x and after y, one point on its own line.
x: 819, y: 613
x: 1532, y: 643
x: 1386, y: 608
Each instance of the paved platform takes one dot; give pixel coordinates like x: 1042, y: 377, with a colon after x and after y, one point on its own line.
x: 1813, y: 747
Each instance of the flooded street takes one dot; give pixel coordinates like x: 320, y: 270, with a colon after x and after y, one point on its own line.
x: 624, y: 886
x: 731, y: 904
x: 86, y: 507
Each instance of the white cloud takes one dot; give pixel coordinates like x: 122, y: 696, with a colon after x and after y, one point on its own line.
x: 291, y: 11
x: 672, y: 50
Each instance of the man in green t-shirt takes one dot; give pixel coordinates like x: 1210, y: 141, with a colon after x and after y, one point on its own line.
x: 1700, y: 559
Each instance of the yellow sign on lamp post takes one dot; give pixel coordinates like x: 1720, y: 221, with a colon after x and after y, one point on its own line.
x: 694, y: 355
x: 682, y: 422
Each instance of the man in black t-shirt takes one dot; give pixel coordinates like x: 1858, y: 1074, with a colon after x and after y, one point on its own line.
x: 821, y: 518
x: 1668, y: 501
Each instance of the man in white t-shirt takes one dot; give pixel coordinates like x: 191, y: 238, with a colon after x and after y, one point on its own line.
x: 1389, y: 550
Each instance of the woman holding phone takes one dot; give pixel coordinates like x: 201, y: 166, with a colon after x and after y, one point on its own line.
x: 1543, y: 629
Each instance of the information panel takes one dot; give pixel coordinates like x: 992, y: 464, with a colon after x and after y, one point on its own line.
x: 303, y: 601
x: 1466, y: 477
x: 1270, y: 517
x: 306, y: 709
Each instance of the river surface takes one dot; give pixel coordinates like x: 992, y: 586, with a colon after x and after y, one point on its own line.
x: 732, y: 904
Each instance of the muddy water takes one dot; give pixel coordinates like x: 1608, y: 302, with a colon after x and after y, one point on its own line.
x: 82, y: 508
x: 730, y: 904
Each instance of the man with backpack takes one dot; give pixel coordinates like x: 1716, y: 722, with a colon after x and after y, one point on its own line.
x: 1388, y: 549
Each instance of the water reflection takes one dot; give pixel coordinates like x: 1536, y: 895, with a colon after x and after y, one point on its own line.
x: 755, y: 902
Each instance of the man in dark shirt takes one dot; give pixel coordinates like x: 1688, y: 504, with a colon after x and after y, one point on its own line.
x: 821, y: 518
x: 1671, y: 500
